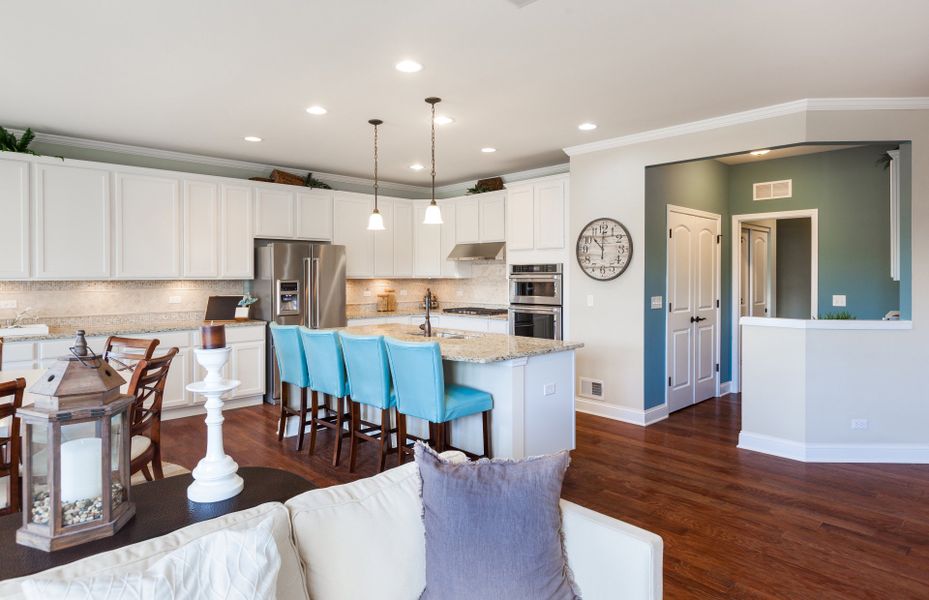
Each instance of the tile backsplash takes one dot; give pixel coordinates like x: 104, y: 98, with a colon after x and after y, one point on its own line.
x: 487, y: 286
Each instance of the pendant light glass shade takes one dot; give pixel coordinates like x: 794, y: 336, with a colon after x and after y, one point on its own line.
x: 433, y: 214
x: 375, y: 221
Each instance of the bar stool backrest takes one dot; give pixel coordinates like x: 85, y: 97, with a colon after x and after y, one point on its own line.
x: 288, y: 349
x: 419, y: 381
x: 367, y: 368
x: 324, y: 361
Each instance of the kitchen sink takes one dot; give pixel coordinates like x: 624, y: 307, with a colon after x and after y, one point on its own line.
x: 23, y: 330
x: 448, y: 335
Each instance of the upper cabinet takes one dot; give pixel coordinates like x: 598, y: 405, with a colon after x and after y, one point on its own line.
x: 536, y: 215
x: 384, y: 241
x: 14, y: 224
x: 493, y: 217
x: 468, y: 220
x: 550, y: 215
x: 403, y: 238
x: 147, y: 225
x: 314, y: 215
x: 450, y: 268
x: 427, y: 243
x: 201, y: 229
x: 71, y: 227
x: 236, y: 251
x: 520, y: 230
x: 291, y: 212
x: 350, y: 228
x: 274, y: 212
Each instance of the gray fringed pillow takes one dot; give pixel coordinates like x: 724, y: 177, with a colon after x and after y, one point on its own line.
x: 493, y: 528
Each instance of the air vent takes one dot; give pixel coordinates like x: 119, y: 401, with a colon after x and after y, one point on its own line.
x: 591, y: 388
x: 771, y: 190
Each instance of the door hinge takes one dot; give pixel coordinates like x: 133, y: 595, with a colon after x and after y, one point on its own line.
x: 669, y: 382
x: 717, y: 367
x: 718, y: 238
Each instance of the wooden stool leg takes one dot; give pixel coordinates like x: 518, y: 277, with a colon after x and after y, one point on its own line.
x: 157, y: 469
x: 337, y: 450
x: 385, y: 439
x: 313, y: 420
x: 302, y: 431
x: 486, y: 418
x: 283, y: 423
x: 401, y: 436
x: 146, y: 473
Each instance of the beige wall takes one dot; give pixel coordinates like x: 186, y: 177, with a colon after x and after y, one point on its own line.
x: 486, y: 286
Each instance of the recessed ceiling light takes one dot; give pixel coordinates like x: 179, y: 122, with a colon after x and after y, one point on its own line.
x: 443, y: 120
x: 488, y: 150
x: 252, y: 138
x: 417, y: 167
x: 316, y: 110
x: 587, y: 126
x: 408, y: 66
x: 759, y: 152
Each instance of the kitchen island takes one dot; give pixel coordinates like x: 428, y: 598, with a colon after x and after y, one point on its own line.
x: 531, y: 380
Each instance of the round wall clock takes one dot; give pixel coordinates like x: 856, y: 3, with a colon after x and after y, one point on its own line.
x: 604, y: 249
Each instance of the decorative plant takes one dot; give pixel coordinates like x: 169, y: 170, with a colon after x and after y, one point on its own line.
x: 478, y: 189
x: 247, y: 300
x: 9, y: 143
x: 840, y: 315
x: 312, y: 182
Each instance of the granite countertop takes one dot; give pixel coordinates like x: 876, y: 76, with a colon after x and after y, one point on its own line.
x: 355, y: 313
x: 473, y: 347
x: 58, y: 333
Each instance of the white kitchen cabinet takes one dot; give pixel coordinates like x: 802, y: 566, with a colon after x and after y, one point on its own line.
x: 493, y: 217
x: 520, y: 223
x: 498, y: 326
x: 549, y: 214
x: 14, y: 224
x: 236, y: 252
x: 384, y: 241
x: 274, y: 212
x: 467, y: 220
x: 201, y: 229
x: 403, y: 238
x: 248, y: 367
x: 427, y: 244
x: 71, y: 228
x: 464, y: 323
x: 350, y: 228
x: 147, y: 225
x: 18, y: 355
x: 314, y: 215
x: 451, y: 268
x: 176, y: 394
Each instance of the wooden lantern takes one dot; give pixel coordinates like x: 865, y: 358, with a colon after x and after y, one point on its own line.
x: 76, y: 454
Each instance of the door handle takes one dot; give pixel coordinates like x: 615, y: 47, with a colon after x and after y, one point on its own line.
x: 697, y: 319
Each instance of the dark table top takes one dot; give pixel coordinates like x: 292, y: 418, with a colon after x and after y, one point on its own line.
x: 161, y: 507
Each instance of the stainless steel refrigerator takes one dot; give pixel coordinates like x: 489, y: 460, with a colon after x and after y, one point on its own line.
x: 297, y: 283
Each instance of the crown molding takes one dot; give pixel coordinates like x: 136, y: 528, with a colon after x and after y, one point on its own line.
x: 749, y: 116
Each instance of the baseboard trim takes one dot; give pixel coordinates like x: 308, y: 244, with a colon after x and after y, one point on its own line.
x: 725, y: 388
x: 192, y: 411
x: 635, y: 416
x: 818, y: 452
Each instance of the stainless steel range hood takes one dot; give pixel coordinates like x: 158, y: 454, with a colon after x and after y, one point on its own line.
x: 484, y: 251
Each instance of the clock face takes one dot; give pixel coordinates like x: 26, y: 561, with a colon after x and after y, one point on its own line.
x: 604, y: 249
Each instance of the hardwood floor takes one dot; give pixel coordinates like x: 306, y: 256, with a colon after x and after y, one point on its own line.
x: 735, y: 524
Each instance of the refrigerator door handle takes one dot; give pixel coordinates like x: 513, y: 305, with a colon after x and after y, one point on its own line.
x: 314, y: 277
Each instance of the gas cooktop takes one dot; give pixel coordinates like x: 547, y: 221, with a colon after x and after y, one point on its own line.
x: 475, y: 310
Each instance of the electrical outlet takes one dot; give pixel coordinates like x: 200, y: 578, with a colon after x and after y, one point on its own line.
x: 590, y: 299
x: 859, y: 423
x: 403, y: 292
x: 656, y: 302
x: 838, y: 300
x: 549, y: 389
x: 7, y: 303
x: 459, y: 293
x: 174, y: 299
x: 367, y: 293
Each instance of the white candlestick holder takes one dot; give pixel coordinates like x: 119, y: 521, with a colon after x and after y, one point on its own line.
x: 215, y: 477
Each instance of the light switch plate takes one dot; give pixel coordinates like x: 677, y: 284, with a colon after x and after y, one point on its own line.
x: 549, y: 389
x: 403, y: 292
x: 656, y: 302
x: 459, y: 293
x: 367, y: 293
x: 7, y: 303
x: 838, y: 300
x: 174, y: 299
x: 590, y: 299
x: 859, y: 423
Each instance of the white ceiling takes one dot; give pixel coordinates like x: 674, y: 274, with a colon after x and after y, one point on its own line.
x: 198, y: 76
x: 738, y: 159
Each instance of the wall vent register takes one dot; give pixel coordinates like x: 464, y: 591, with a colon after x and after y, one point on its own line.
x: 591, y: 388
x: 771, y: 190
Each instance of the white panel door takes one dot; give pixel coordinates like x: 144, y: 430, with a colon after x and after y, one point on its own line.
x: 759, y: 281
x: 493, y: 217
x: 201, y: 229
x: 314, y: 215
x: 72, y: 222
x: 14, y: 219
x: 350, y: 228
x: 550, y: 215
x: 427, y: 244
x: 451, y: 268
x: 468, y: 220
x: 274, y: 213
x: 148, y: 226
x: 520, y: 222
x: 236, y: 254
x: 384, y: 240
x: 693, y: 293
x: 403, y: 238
x: 744, y: 270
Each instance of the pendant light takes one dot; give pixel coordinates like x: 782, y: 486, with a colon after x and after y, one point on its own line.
x: 375, y: 221
x: 433, y: 213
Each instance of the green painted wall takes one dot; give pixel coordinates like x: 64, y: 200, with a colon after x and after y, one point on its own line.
x: 906, y: 234
x: 793, y: 268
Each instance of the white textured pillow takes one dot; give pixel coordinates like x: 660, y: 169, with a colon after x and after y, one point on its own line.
x: 224, y: 565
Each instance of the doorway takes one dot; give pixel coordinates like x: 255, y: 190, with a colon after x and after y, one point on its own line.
x: 758, y: 269
x: 692, y: 361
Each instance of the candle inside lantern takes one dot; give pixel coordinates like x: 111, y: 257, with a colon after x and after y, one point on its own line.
x: 81, y: 469
x: 213, y: 336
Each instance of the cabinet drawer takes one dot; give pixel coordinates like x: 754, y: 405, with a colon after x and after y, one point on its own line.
x: 250, y: 333
x: 22, y: 351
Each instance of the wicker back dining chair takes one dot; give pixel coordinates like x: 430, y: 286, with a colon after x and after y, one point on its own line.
x: 10, y: 444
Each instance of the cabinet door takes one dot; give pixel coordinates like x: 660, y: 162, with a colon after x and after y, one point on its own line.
x: 248, y: 366
x: 274, y: 213
x: 201, y: 229
x: 519, y: 218
x: 14, y: 224
x: 314, y: 215
x: 493, y: 218
x: 498, y: 326
x: 549, y: 215
x: 72, y: 222
x: 236, y: 251
x: 350, y: 229
x: 451, y: 268
x: 403, y: 238
x: 467, y: 220
x: 427, y: 244
x: 176, y: 394
x: 384, y: 241
x: 148, y: 226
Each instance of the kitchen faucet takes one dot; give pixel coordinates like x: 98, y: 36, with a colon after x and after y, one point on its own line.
x: 20, y: 318
x: 427, y: 326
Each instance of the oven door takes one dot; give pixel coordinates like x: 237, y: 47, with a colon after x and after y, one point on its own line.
x: 535, y: 288
x: 536, y: 321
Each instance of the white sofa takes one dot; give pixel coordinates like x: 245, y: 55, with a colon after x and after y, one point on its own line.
x: 366, y: 539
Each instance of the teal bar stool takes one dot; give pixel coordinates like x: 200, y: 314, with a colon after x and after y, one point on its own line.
x: 419, y: 383
x: 291, y: 368
x: 326, y: 368
x: 369, y: 380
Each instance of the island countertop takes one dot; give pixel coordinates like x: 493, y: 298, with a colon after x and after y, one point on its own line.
x: 470, y: 347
